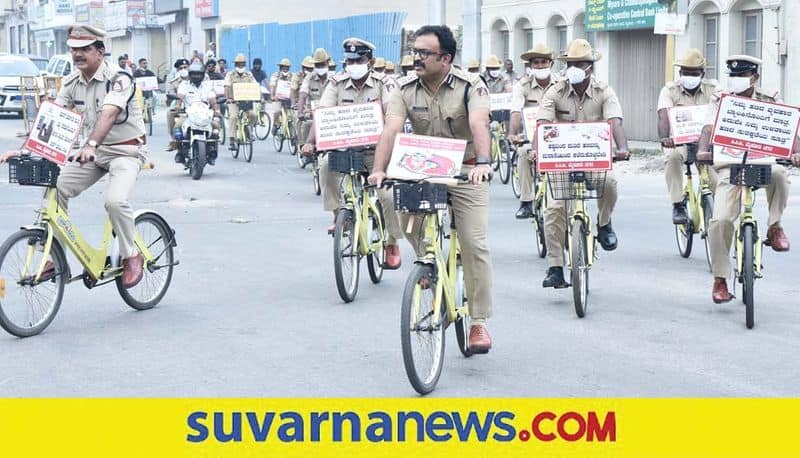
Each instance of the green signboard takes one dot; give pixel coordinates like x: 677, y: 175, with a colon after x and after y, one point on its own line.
x: 621, y: 14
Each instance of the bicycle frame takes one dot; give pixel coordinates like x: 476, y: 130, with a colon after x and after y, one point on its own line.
x: 695, y: 197
x: 58, y: 225
x: 579, y: 213
x: 496, y: 133
x: 361, y: 207
x: 748, y: 219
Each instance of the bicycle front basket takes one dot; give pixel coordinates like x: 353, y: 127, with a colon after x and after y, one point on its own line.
x: 751, y: 175
x: 420, y: 197
x: 576, y: 185
x: 345, y: 161
x: 28, y: 171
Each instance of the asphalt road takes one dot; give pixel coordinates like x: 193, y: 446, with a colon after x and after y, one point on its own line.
x: 253, y: 309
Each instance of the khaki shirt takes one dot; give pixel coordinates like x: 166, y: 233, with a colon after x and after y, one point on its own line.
x: 297, y: 80
x: 273, y: 79
x: 106, y: 87
x: 342, y: 91
x: 236, y: 77
x: 445, y: 113
x: 673, y: 94
x: 172, y: 88
x: 313, y: 86
x: 562, y: 104
x: 528, y: 93
x: 497, y: 85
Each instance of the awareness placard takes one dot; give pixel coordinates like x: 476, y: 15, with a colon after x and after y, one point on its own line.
x: 574, y: 146
x: 418, y: 156
x: 748, y: 124
x: 283, y: 90
x: 501, y: 101
x: 529, y: 117
x: 147, y: 83
x: 245, y: 92
x: 686, y: 123
x: 54, y: 132
x: 346, y: 126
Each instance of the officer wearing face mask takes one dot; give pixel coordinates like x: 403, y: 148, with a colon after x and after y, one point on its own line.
x: 690, y: 89
x: 239, y: 75
x: 358, y: 85
x: 283, y: 74
x: 193, y: 91
x: 311, y: 92
x: 528, y: 93
x: 299, y: 77
x: 495, y: 80
x: 181, y: 75
x: 743, y: 71
x: 580, y: 98
x: 474, y: 66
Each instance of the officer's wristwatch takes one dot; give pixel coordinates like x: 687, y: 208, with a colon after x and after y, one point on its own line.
x: 92, y: 143
x: 483, y: 161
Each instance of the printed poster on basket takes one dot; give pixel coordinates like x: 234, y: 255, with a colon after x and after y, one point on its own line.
x: 54, y: 131
x: 761, y: 127
x: 415, y: 157
x: 564, y: 147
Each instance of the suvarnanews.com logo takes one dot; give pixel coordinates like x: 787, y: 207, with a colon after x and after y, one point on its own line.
x: 400, y: 426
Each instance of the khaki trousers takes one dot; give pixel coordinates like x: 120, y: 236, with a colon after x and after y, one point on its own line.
x: 171, y: 115
x: 675, y: 170
x: 470, y: 206
x: 525, y: 166
x: 726, y: 210
x: 555, y: 220
x: 330, y: 182
x: 303, y: 129
x: 234, y: 116
x: 122, y: 163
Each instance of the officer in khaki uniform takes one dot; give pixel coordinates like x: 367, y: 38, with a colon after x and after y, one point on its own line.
x: 379, y: 66
x: 744, y: 75
x: 690, y: 89
x: 182, y: 65
x: 580, y: 98
x: 443, y: 101
x: 390, y: 68
x: 299, y: 77
x: 240, y: 74
x: 406, y: 65
x: 358, y: 85
x: 283, y: 74
x: 116, y: 138
x: 474, y: 66
x: 494, y: 77
x: 528, y: 93
x: 311, y: 92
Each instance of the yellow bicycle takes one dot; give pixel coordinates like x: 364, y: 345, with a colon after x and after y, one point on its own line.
x: 360, y: 229
x: 699, y: 204
x: 244, y: 133
x: 34, y: 267
x: 539, y: 198
x: 501, y: 156
x: 285, y: 130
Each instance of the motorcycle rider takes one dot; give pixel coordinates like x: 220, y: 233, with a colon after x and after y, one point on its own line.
x: 192, y: 91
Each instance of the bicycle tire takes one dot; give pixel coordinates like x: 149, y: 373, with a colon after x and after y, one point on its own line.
x: 315, y: 176
x: 708, y: 211
x: 344, y: 254
x: 223, y: 132
x: 505, y: 162
x: 150, y: 120
x: 579, y: 271
x: 423, y: 381
x: 375, y: 260
x: 248, y: 146
x: 538, y: 229
x: 277, y: 142
x: 684, y: 234
x: 60, y: 269
x: 165, y: 258
x: 748, y: 274
x: 515, y: 175
x: 463, y: 322
x: 264, y: 123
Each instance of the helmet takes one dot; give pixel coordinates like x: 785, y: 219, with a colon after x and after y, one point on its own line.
x: 308, y: 62
x: 240, y: 58
x: 196, y: 67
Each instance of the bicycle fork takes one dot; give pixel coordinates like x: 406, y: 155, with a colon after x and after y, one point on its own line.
x: 748, y: 220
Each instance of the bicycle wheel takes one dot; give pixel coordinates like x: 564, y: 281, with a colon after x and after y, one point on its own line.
x: 579, y: 272
x: 263, y: 126
x: 708, y: 211
x: 315, y: 176
x: 159, y: 238
x: 248, y: 146
x: 684, y: 233
x: 345, y: 255
x: 421, y: 333
x: 538, y: 230
x: 505, y: 162
x: 277, y: 141
x: 223, y: 133
x: 292, y: 138
x: 515, y: 175
x: 150, y: 113
x: 748, y: 274
x: 463, y: 322
x: 377, y: 234
x: 301, y: 160
x: 27, y: 306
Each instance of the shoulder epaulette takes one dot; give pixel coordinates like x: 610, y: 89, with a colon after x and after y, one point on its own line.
x: 71, y: 78
x: 406, y: 80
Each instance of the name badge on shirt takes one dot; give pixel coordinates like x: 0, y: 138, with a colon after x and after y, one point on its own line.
x: 419, y: 109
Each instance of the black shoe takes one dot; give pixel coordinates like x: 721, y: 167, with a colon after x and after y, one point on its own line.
x: 232, y: 144
x: 679, y: 215
x: 211, y: 158
x: 179, y: 158
x: 607, y: 237
x: 554, y: 278
x: 525, y: 210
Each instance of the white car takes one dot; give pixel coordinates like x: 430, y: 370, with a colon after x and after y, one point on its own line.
x: 60, y: 65
x: 11, y: 68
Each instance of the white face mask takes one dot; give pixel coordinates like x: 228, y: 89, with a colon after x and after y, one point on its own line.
x: 576, y: 75
x: 331, y: 72
x: 690, y: 82
x: 284, y: 73
x: 240, y: 70
x: 357, y: 71
x: 321, y: 71
x: 183, y: 73
x: 740, y: 84
x: 494, y: 73
x: 541, y: 73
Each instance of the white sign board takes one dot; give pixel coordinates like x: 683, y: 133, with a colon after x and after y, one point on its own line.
x: 501, y: 101
x: 669, y: 24
x: 686, y: 123
x: 529, y: 117
x: 147, y: 83
x: 415, y: 157
x: 283, y: 90
x: 565, y: 147
x: 54, y: 131
x: 346, y: 126
x: 763, y: 127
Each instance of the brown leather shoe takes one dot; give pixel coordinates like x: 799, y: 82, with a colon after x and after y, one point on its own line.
x: 393, y: 259
x: 132, y: 271
x: 331, y: 229
x: 479, y: 340
x: 172, y: 146
x: 720, y: 293
x: 777, y: 238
